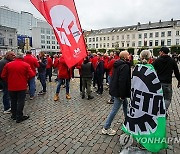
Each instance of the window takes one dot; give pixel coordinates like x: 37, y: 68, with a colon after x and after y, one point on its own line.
x: 48, y: 42
x: 127, y: 44
x: 89, y: 39
x: 96, y: 39
x: 47, y: 31
x: 157, y: 34
x: 156, y: 42
x: 42, y: 30
x: 57, y: 47
x: 100, y: 45
x: 139, y: 43
x: 151, y: 43
x: 177, y: 41
x: 133, y: 44
x: 96, y: 45
x: 162, y: 42
x: 43, y: 46
x: 145, y: 43
x: 112, y: 45
x: 93, y: 45
x: 48, y: 47
x: 53, y: 37
x: 150, y: 35
x: 145, y: 35
x: 48, y: 37
x: 140, y: 36
x: 53, y: 47
x: 108, y: 38
x: 168, y: 42
x: 127, y: 36
x: 122, y: 44
x: 107, y: 45
x: 10, y: 42
x: 89, y: 46
x: 53, y: 42
x: 93, y: 39
x: 162, y: 34
x: 2, y: 41
x: 104, y: 45
x: 42, y: 36
x: 118, y: 37
x: 104, y: 38
x: 112, y: 37
x: 43, y: 41
x: 169, y: 33
x: 122, y: 37
x: 133, y: 36
x: 100, y: 38
x: 177, y: 32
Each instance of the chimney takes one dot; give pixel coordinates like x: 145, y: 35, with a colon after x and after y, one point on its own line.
x: 149, y: 22
x: 139, y: 23
x: 172, y: 19
x: 160, y: 21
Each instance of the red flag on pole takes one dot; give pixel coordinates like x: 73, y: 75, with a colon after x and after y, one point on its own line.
x: 62, y: 16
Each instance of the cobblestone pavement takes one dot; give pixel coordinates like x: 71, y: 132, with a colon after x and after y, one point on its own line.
x: 72, y: 126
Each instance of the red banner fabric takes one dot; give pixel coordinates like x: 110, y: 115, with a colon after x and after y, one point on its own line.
x: 62, y: 16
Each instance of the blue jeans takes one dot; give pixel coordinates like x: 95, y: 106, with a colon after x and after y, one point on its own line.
x: 32, y: 87
x: 115, y: 108
x: 60, y: 81
x: 42, y: 78
x: 6, y: 99
x: 167, y: 93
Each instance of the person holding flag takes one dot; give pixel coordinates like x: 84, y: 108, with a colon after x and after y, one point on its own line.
x: 145, y: 120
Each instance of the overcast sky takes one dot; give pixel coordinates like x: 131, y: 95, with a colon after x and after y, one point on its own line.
x: 97, y: 14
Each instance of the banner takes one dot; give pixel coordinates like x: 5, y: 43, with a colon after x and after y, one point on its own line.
x: 146, y: 120
x: 62, y: 16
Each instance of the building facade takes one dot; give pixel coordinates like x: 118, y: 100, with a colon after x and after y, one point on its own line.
x: 43, y: 38
x: 149, y: 35
x: 8, y: 39
x: 23, y: 21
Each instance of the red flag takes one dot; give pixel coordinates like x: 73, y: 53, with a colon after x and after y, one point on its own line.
x: 62, y: 16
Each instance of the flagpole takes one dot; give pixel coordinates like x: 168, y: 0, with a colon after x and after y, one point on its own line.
x: 80, y: 25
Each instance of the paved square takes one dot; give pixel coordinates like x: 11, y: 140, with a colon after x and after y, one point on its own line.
x: 72, y: 126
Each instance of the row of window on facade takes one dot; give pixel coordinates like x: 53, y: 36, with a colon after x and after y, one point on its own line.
x: 48, y: 37
x: 163, y: 34
x: 48, y: 42
x: 47, y: 31
x: 49, y: 47
x: 2, y: 42
x: 140, y: 44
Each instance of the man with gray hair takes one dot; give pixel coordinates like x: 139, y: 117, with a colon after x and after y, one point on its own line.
x: 21, y: 72
x: 9, y: 56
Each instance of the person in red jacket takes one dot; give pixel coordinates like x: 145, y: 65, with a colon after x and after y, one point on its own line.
x: 106, y: 60
x: 63, y: 73
x: 16, y: 74
x: 33, y: 62
x: 94, y: 61
x: 49, y: 68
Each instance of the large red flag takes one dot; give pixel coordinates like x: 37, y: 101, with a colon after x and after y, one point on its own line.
x: 62, y: 16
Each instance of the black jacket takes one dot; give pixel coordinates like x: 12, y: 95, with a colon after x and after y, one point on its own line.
x: 3, y: 62
x: 121, y: 80
x: 87, y: 70
x: 164, y: 67
x: 42, y: 65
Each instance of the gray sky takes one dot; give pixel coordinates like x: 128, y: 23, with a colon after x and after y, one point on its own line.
x: 96, y: 14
